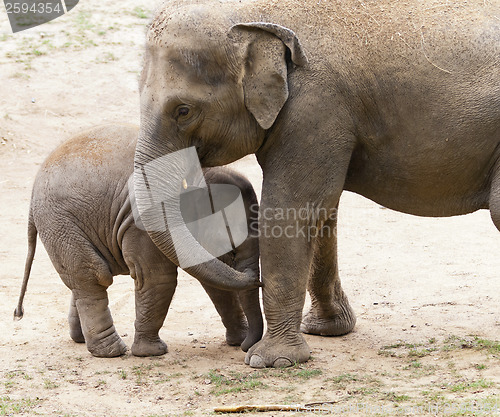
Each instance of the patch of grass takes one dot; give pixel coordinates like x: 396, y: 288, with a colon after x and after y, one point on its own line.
x: 492, y: 346
x: 467, y: 386
x: 140, y: 13
x: 343, y: 378
x: 356, y: 385
x: 433, y: 397
x: 141, y: 372
x: 400, y: 344
x: 303, y: 373
x: 10, y: 406
x: 412, y: 350
x: 474, y: 342
x: 480, y: 366
x: 148, y: 374
x: 167, y: 378
x: 100, y: 383
x: 294, y: 372
x: 420, y: 353
x: 83, y: 20
x: 234, y: 382
x: 392, y: 396
x: 48, y: 384
x: 413, y: 365
x: 387, y: 353
x: 107, y: 57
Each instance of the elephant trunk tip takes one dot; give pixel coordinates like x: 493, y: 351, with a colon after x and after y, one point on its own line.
x: 18, y: 313
x: 256, y: 283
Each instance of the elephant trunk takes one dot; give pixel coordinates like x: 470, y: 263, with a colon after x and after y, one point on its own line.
x: 161, y: 176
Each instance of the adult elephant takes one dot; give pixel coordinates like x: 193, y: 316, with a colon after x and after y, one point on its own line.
x: 396, y: 101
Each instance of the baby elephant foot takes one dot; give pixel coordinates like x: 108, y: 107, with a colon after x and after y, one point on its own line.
x: 75, y: 329
x: 144, y: 346
x: 340, y: 320
x: 107, y: 347
x: 278, y: 352
x: 236, y: 334
x: 77, y: 334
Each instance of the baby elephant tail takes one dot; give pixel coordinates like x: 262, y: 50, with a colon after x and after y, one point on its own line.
x: 32, y: 233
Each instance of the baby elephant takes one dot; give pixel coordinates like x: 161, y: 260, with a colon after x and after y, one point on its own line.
x: 80, y: 207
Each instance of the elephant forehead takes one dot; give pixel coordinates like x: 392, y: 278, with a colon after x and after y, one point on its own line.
x: 192, y: 54
x: 190, y: 25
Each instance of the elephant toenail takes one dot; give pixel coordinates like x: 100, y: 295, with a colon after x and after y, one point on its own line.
x: 257, y: 362
x: 282, y: 363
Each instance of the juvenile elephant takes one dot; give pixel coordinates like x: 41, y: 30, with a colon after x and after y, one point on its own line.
x: 80, y: 207
x: 398, y: 101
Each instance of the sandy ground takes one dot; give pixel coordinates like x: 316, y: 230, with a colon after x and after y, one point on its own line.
x: 425, y: 291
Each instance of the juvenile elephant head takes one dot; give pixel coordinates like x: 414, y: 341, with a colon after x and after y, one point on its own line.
x: 209, y: 84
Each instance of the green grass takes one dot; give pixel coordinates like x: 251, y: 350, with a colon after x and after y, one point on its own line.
x: 48, y: 384
x: 420, y: 353
x: 398, y: 398
x: 467, y: 386
x: 344, y: 378
x: 234, y: 382
x: 9, y: 406
x: 140, y: 13
x: 455, y: 342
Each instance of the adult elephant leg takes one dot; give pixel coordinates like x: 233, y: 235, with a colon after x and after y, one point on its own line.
x: 285, y: 264
x: 330, y: 313
x: 287, y: 253
x: 75, y: 327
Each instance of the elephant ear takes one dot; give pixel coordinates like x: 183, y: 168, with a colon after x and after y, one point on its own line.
x: 265, y: 83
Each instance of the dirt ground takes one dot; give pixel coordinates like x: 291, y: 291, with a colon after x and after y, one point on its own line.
x: 425, y: 291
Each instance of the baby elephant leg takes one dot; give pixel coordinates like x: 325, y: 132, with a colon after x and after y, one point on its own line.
x: 151, y: 306
x: 90, y: 316
x: 227, y: 304
x: 155, y: 281
x: 75, y: 327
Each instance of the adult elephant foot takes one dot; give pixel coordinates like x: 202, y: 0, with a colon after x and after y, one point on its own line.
x: 338, y: 321
x: 278, y: 352
x: 144, y: 346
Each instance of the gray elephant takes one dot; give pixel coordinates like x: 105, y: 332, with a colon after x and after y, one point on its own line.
x: 396, y: 101
x: 81, y: 209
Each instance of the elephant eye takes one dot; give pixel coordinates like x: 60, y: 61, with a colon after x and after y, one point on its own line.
x: 183, y: 111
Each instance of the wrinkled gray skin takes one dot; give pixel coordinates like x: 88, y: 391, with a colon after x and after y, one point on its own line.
x: 81, y: 209
x: 396, y: 101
